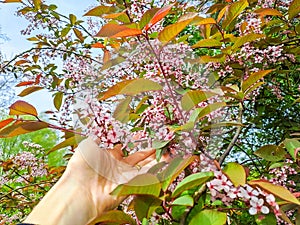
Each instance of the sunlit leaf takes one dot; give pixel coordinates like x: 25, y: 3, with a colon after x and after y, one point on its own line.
x: 122, y: 110
x: 204, y: 21
x: 97, y: 45
x: 71, y: 141
x: 116, y: 31
x: 22, y: 108
x: 145, y: 205
x: 186, y: 200
x: 254, y: 77
x: 171, y: 31
x: 22, y: 128
x: 37, y: 3
x: 147, y: 16
x: 25, y: 83
x: 144, y: 184
x: 100, y: 10
x: 233, y: 11
x: 131, y: 87
x: 294, y: 9
x: 159, y: 15
x: 30, y: 90
x: 277, y: 190
x: 207, y: 43
x: 78, y: 34
x: 291, y: 145
x: 268, y: 12
x: 115, y: 217
x: 209, y: 217
x: 58, y: 100
x: 192, y: 181
x: 271, y: 153
x: 194, y: 97
x: 236, y: 173
x: 4, y: 123
x: 72, y: 18
x: 11, y: 1
x: 20, y: 62
x: 175, y: 167
x: 202, y: 112
x: 239, y: 41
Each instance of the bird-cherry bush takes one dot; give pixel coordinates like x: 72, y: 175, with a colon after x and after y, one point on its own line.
x: 212, y: 83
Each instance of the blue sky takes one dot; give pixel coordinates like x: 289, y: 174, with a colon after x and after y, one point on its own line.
x: 11, y: 25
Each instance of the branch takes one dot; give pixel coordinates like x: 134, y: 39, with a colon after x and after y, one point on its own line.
x: 235, y: 137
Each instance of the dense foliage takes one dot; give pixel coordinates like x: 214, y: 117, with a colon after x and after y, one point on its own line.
x: 214, y: 83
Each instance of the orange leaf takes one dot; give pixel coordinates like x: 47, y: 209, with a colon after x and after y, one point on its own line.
x: 277, y: 190
x: 115, y: 31
x: 97, y: 45
x: 22, y: 128
x: 37, y: 79
x: 4, y: 123
x: 22, y: 108
x: 22, y: 61
x: 106, y: 56
x: 25, y: 83
x: 11, y: 1
x: 160, y: 14
x: 30, y: 90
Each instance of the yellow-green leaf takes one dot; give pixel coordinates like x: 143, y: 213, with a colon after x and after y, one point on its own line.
x: 271, y: 153
x: 122, y: 110
x: 30, y: 90
x: 202, y: 112
x: 22, y: 108
x: 234, y: 10
x: 209, y: 217
x: 194, y: 97
x: 253, y: 78
x: 204, y: 21
x: 71, y: 141
x: 58, y: 100
x: 239, y: 41
x: 131, y: 87
x: 115, y: 217
x: 207, y: 43
x: 72, y: 18
x: 144, y: 184
x: 294, y: 9
x: 171, y: 31
x: 268, y: 12
x: 277, y: 190
x: 236, y: 173
x: 291, y: 145
x: 100, y: 10
x: 186, y: 200
x: 116, y: 31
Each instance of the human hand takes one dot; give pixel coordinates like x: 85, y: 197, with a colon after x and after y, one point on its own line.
x: 83, y: 192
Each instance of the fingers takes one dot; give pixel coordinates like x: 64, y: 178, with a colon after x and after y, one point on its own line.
x: 117, y: 152
x: 138, y: 157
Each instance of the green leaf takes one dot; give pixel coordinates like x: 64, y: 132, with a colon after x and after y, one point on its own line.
x: 294, y: 9
x: 122, y: 110
x: 147, y: 16
x: 234, y: 10
x: 194, y: 97
x: 78, y: 34
x: 30, y: 90
x: 269, y: 219
x: 71, y: 141
x: 101, y: 10
x: 291, y: 145
x: 192, y: 181
x: 22, y: 108
x: 202, y: 112
x: 145, y: 205
x: 236, y: 173
x: 131, y: 87
x: 207, y: 43
x: 115, y: 31
x: 175, y: 167
x: 171, y: 31
x: 144, y: 184
x: 72, y: 18
x: 58, y: 100
x: 185, y: 200
x: 22, y: 128
x: 277, y: 190
x: 159, y: 144
x: 239, y: 41
x: 253, y: 78
x: 271, y: 153
x: 209, y: 217
x: 115, y: 216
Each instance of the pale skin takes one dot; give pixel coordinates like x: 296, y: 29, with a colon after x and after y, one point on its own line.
x: 82, y: 194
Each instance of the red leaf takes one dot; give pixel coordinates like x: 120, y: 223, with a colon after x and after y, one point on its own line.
x: 4, y: 123
x: 25, y: 83
x: 37, y: 79
x: 160, y: 14
x: 115, y: 31
x: 22, y: 108
x: 97, y: 45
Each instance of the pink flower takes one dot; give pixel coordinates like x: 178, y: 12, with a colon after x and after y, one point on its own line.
x: 257, y: 205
